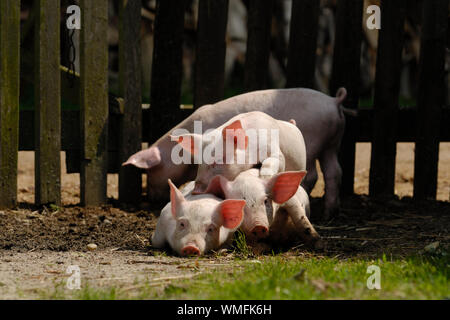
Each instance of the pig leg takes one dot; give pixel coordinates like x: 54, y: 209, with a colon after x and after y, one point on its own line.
x: 272, y: 165
x: 297, y: 212
x: 159, y: 236
x: 332, y: 174
x: 310, y: 180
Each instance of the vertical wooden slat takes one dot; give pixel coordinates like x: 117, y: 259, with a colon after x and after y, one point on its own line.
x: 167, y: 66
x: 47, y: 103
x: 303, y: 43
x: 387, y: 87
x: 94, y: 101
x: 258, y: 44
x: 346, y: 73
x: 130, y: 90
x: 431, y: 97
x: 9, y: 100
x: 210, y: 55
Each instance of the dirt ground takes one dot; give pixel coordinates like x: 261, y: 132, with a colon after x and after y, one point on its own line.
x: 38, y: 245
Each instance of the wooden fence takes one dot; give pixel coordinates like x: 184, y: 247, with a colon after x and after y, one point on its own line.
x: 104, y: 132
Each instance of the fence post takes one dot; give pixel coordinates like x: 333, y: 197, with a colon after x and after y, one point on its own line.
x: 431, y: 97
x: 47, y: 106
x: 211, y: 48
x: 387, y: 87
x: 9, y: 100
x: 94, y: 102
x: 346, y: 73
x: 258, y: 44
x: 304, y: 27
x: 167, y: 66
x: 130, y: 178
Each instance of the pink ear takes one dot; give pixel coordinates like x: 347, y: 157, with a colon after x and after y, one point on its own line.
x: 188, y: 142
x: 237, y: 133
x: 176, y: 198
x: 145, y: 159
x: 232, y: 213
x: 285, y: 185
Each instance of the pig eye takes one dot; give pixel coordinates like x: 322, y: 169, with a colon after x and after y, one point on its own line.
x: 182, y: 224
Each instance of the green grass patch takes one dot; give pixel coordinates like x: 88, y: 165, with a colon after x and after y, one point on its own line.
x: 321, y: 278
x: 292, y: 278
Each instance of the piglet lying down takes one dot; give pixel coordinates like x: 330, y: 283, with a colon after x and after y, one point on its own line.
x: 276, y: 208
x: 196, y: 224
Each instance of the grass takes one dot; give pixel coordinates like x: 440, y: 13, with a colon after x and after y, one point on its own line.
x: 240, y: 244
x: 287, y: 277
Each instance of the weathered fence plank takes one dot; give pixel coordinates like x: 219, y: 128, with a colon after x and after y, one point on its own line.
x: 387, y: 87
x: 167, y: 66
x: 210, y: 54
x: 9, y: 100
x: 346, y: 73
x: 258, y: 44
x: 130, y: 178
x: 47, y: 103
x: 94, y: 101
x: 301, y: 64
x: 431, y: 97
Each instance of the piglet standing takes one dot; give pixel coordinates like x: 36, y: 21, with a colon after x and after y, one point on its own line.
x: 274, y: 144
x: 196, y: 224
x: 275, y: 207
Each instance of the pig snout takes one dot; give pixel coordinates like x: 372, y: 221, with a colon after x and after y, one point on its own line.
x: 256, y: 225
x: 260, y: 232
x: 190, y: 250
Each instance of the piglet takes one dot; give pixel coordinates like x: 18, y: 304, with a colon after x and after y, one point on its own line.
x: 260, y: 139
x: 275, y: 206
x: 196, y: 224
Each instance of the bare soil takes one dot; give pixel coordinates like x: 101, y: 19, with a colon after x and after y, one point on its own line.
x: 38, y: 244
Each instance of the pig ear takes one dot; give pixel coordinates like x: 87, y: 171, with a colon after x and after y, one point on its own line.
x: 236, y: 132
x: 189, y: 142
x: 176, y: 198
x: 215, y: 188
x: 145, y: 159
x: 284, y: 185
x: 219, y: 186
x: 231, y: 213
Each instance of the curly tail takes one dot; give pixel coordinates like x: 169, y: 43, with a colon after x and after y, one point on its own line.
x: 341, y: 95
